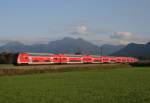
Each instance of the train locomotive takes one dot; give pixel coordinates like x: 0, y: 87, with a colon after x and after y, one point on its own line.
x: 49, y: 58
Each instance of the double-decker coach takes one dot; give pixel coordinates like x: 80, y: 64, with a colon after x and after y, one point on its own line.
x: 34, y: 58
x: 40, y: 58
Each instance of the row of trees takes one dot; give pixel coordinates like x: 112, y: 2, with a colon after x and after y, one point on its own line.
x: 7, y: 58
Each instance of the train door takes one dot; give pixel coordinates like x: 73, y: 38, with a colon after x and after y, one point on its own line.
x: 112, y: 59
x: 56, y: 59
x: 96, y: 60
x: 106, y: 59
x: 63, y: 58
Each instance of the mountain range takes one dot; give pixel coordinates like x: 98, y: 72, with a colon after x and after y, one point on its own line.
x: 65, y: 45
x: 135, y: 50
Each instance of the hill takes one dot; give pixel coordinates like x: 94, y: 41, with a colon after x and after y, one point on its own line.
x: 135, y: 50
x: 108, y: 49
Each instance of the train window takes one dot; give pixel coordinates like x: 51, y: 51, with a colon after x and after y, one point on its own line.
x: 23, y: 57
x: 35, y: 60
x: 87, y: 59
x: 96, y: 60
x: 46, y: 60
x: 64, y: 59
x: 105, y: 59
x: 75, y: 60
x: 55, y: 58
x: 26, y: 58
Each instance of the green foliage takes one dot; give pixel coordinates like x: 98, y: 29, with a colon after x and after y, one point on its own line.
x: 141, y: 63
x: 142, y: 58
x: 93, y: 86
x: 6, y: 58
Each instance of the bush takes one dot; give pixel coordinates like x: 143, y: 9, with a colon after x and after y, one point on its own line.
x: 141, y: 63
x: 6, y: 58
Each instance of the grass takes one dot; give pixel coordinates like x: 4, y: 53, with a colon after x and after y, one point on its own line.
x: 6, y: 65
x: 130, y: 85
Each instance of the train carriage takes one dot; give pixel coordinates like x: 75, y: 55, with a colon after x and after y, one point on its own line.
x: 34, y: 58
x: 38, y: 58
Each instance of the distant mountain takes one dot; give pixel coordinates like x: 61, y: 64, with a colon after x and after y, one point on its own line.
x: 66, y: 45
x: 135, y: 50
x: 71, y: 45
x: 12, y: 47
x: 109, y: 49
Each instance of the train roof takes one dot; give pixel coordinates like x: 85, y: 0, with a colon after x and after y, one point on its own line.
x: 95, y: 55
x: 40, y: 54
x: 73, y: 55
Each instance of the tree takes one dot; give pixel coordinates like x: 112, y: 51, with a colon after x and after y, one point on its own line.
x: 6, y: 58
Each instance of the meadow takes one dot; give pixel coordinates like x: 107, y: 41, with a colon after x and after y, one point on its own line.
x: 128, y: 85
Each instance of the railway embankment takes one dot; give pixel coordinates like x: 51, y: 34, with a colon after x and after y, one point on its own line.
x: 33, y: 69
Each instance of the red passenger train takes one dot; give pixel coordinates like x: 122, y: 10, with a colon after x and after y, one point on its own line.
x: 48, y: 58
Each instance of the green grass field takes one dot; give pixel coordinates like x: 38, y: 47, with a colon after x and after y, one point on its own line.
x: 131, y: 85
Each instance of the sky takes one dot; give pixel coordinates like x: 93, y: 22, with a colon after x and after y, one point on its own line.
x: 98, y: 21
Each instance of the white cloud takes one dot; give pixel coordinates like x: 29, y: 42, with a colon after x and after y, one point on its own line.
x: 123, y: 38
x: 123, y: 42
x: 80, y: 30
x: 85, y: 30
x: 122, y: 35
x: 127, y: 37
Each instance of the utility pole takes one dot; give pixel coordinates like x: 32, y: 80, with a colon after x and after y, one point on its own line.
x: 101, y: 50
x: 78, y: 51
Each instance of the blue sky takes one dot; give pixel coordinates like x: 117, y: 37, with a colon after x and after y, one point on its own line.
x: 99, y: 21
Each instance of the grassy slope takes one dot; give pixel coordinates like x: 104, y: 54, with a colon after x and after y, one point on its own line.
x: 92, y: 86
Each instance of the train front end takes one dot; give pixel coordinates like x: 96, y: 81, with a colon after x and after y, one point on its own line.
x: 21, y: 59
